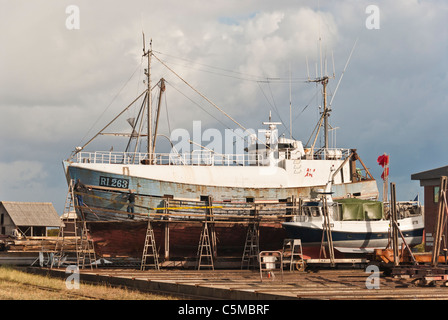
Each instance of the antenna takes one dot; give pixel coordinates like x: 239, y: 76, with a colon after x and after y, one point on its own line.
x: 346, y: 64
x: 325, y: 63
x: 320, y: 50
x: 307, y: 68
x: 320, y: 38
x: 332, y: 58
x: 290, y: 104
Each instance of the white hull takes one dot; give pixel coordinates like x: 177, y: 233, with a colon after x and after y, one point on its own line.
x: 299, y: 178
x: 356, y: 236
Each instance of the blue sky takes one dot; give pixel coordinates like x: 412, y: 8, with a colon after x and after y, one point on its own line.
x: 59, y: 86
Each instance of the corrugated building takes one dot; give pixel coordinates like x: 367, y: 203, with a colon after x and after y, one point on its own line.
x: 27, y: 218
x: 430, y: 181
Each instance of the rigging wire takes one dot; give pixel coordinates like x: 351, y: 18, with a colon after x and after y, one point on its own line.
x: 198, y: 105
x: 108, y: 106
x: 343, y: 72
x: 167, y: 114
x: 238, y: 75
x: 274, y: 106
x: 241, y: 76
x: 207, y: 99
x: 190, y: 62
x: 221, y: 71
x: 303, y: 110
x: 104, y: 128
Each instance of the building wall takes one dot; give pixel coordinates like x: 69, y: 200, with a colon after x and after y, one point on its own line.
x: 7, y: 227
x: 33, y: 231
x: 431, y: 213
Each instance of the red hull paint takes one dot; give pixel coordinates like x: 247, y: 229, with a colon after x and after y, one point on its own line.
x: 127, y: 239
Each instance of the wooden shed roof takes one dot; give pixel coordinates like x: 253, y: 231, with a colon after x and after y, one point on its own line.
x: 32, y: 213
x: 431, y: 174
x: 430, y: 177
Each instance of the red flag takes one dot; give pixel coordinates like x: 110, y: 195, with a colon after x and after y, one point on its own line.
x: 383, y: 160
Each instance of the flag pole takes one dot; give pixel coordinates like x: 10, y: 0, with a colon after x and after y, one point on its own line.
x: 384, y: 162
x: 385, y: 182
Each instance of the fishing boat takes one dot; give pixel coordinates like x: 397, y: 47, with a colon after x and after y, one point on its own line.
x: 353, y: 226
x: 178, y: 191
x: 356, y: 226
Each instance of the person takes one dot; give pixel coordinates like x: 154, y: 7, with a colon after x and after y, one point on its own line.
x: 131, y: 199
x: 80, y: 188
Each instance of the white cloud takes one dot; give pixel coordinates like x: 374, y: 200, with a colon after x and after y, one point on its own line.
x: 22, y: 176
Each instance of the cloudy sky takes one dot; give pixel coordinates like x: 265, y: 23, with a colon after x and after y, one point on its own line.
x: 60, y: 84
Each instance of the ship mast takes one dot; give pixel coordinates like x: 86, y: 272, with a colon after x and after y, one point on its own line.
x: 326, y: 111
x: 148, y: 54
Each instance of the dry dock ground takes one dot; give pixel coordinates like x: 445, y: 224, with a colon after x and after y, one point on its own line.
x: 333, y: 284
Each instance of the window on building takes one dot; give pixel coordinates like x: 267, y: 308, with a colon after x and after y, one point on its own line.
x: 436, y: 194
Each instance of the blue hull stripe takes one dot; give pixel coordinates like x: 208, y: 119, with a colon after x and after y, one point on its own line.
x: 309, y: 235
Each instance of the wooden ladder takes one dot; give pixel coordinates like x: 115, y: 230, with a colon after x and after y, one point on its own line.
x: 85, y: 251
x: 60, y: 250
x: 62, y: 245
x: 150, y: 250
x: 205, y: 245
x: 83, y: 246
x: 326, y: 233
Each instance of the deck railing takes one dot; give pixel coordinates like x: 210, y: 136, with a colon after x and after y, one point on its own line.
x: 331, y: 154
x: 194, y: 158
x: 197, y: 157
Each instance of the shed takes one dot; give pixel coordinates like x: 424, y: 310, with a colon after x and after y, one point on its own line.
x: 430, y: 181
x: 27, y: 218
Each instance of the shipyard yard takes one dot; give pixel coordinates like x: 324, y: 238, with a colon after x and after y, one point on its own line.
x: 325, y: 284
x: 203, y: 172
x: 219, y: 293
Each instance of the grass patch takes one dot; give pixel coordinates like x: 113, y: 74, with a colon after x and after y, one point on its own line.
x: 19, y: 285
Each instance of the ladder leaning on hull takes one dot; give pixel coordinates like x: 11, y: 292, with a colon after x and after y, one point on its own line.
x: 73, y: 237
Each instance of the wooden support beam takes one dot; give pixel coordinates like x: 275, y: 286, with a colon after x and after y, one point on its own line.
x: 439, y: 228
x: 167, y: 232
x: 394, y: 225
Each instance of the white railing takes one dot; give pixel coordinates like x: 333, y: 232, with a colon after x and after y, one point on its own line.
x: 203, y: 158
x: 197, y: 157
x: 331, y: 154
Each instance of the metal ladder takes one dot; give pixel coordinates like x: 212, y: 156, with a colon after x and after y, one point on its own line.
x: 251, y: 247
x: 296, y: 256
x: 150, y: 249
x: 205, y: 244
